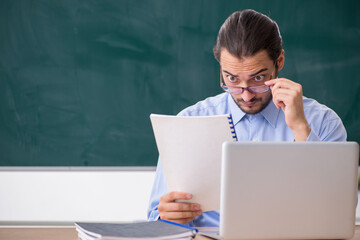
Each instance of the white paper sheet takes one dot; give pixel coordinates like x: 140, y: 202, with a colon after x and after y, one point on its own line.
x: 190, y: 152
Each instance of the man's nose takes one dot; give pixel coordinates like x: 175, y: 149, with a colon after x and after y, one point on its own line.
x: 247, y: 95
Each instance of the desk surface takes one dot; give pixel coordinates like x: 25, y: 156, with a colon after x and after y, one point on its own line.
x: 69, y: 233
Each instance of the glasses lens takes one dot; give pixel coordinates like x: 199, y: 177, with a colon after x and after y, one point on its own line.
x: 259, y: 89
x: 232, y: 90
x: 239, y: 90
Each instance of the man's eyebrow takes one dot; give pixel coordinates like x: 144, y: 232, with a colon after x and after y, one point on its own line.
x: 261, y: 70
x: 230, y: 73
x: 251, y: 75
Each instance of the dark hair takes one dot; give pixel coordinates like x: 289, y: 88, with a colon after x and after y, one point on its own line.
x: 246, y: 32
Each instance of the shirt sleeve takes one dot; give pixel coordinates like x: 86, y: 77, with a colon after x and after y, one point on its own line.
x: 159, y: 189
x: 331, y: 129
x: 313, y: 137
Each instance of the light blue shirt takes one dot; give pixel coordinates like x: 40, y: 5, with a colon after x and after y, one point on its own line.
x: 268, y: 125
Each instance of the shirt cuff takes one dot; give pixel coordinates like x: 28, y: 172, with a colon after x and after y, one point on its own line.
x: 313, y: 137
x: 154, y: 215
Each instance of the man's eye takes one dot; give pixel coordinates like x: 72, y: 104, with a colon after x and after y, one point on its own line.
x: 231, y: 78
x: 259, y: 78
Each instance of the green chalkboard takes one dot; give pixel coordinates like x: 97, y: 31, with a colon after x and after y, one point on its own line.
x: 79, y: 78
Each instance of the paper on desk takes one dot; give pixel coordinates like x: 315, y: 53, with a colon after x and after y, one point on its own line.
x: 190, y: 153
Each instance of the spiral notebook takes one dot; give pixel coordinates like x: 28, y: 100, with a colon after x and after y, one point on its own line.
x: 156, y: 230
x: 190, y: 153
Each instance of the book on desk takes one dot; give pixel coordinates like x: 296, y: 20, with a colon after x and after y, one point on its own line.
x: 160, y: 229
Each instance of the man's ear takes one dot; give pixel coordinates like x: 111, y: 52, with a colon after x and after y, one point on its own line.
x: 281, y: 60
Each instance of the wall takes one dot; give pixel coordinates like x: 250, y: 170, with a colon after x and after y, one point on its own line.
x: 62, y: 197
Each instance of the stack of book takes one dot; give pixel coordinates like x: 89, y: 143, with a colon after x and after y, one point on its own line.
x: 143, y: 230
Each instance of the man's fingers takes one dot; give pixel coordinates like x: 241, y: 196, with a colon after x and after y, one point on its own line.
x: 179, y: 215
x: 172, y: 196
x: 284, y: 91
x: 271, y: 82
x: 179, y: 207
x: 280, y: 100
x: 183, y: 221
x: 181, y: 212
x: 282, y: 83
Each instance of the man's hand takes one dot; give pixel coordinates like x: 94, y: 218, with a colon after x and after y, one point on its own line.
x: 179, y: 212
x: 287, y: 95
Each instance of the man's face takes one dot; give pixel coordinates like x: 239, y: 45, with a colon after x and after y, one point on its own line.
x: 247, y: 72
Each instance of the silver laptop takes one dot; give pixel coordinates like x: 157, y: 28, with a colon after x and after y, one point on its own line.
x: 282, y: 190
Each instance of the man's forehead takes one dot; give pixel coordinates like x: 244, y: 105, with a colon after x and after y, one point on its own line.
x: 261, y: 55
x: 249, y: 64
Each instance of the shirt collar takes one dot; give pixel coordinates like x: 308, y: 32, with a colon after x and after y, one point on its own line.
x: 270, y: 112
x: 236, y: 113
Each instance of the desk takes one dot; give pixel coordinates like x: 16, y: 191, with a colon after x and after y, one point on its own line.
x: 69, y: 233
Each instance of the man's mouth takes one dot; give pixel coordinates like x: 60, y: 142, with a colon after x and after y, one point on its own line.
x: 250, y: 103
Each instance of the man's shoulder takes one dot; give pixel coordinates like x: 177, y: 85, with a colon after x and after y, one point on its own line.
x: 314, y: 108
x: 210, y: 106
x: 324, y: 121
x: 310, y: 104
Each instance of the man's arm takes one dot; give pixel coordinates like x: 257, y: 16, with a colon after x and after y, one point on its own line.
x: 159, y: 189
x: 166, y: 205
x: 288, y: 96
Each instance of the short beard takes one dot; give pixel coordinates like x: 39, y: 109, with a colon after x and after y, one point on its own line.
x: 267, y: 100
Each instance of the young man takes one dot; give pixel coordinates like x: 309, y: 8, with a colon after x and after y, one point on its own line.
x: 263, y: 106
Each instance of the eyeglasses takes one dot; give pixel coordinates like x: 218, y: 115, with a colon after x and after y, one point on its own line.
x: 238, y: 90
